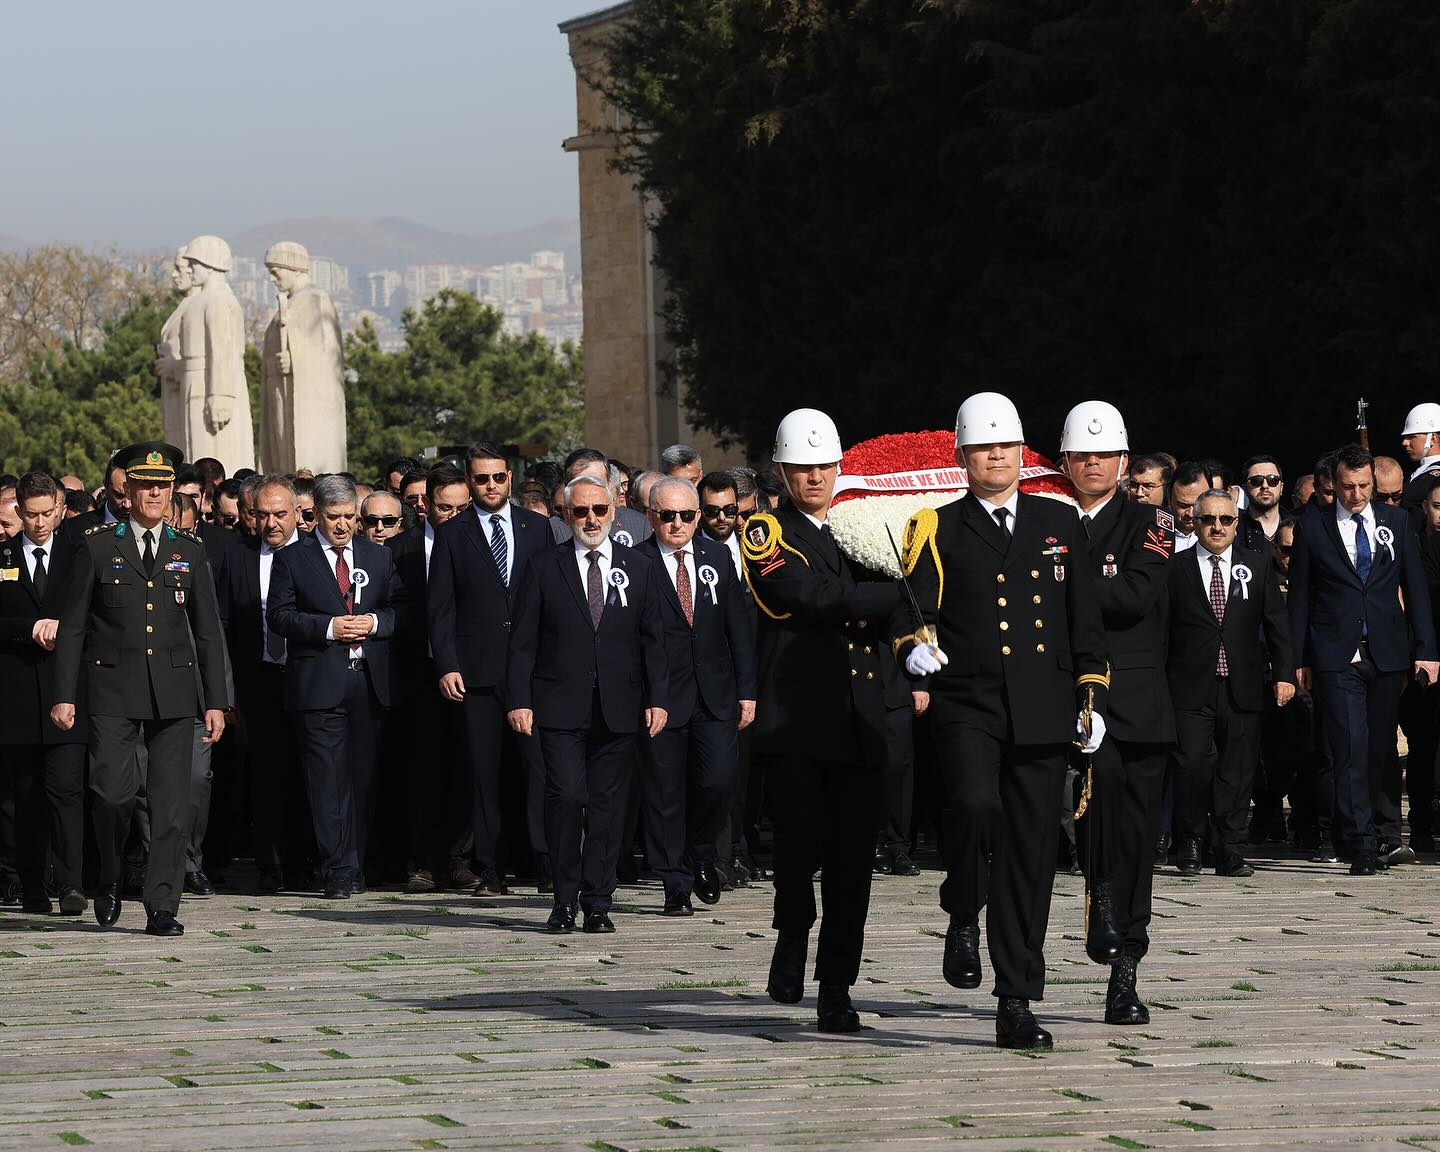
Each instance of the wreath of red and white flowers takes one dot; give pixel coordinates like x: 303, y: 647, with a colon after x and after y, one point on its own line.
x: 887, y: 479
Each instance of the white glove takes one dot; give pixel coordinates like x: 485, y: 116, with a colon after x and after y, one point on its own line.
x: 925, y: 660
x: 1097, y: 732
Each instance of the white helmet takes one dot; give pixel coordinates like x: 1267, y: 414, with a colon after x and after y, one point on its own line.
x: 1094, y: 426
x: 1422, y: 418
x: 807, y: 436
x: 211, y: 251
x: 987, y: 418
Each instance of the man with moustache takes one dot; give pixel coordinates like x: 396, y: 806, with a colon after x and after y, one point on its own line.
x: 1003, y: 580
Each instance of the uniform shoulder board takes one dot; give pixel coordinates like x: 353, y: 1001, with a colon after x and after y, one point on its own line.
x: 762, y: 537
x: 189, y: 534
x: 96, y: 529
x: 1164, y: 520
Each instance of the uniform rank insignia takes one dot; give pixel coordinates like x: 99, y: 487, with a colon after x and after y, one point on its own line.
x: 1161, y: 538
x: 175, y: 556
x: 117, y: 563
x: 1058, y: 550
x: 180, y: 597
x: 177, y: 565
x: 1110, y: 568
x: 1059, y: 573
x: 1164, y: 520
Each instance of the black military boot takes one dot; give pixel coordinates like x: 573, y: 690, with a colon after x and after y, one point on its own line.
x: 1016, y: 1027
x: 787, y: 968
x: 962, y: 955
x: 1102, y: 941
x: 1122, y: 1002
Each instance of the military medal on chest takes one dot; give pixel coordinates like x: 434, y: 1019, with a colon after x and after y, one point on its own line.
x: 1109, y: 568
x: 1055, y: 552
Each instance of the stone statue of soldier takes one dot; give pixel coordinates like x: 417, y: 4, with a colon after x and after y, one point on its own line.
x: 169, y: 362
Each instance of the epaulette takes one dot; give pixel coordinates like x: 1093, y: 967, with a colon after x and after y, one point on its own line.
x: 763, y: 546
x: 189, y: 534
x: 96, y: 529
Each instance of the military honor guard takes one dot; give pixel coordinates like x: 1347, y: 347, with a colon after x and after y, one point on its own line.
x: 1003, y: 580
x: 137, y: 620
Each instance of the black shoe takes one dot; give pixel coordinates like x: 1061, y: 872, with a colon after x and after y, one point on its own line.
x: 268, y: 884
x: 11, y: 893
x: 562, y: 918
x: 1162, y: 849
x: 727, y: 882
x: 1102, y: 941
x: 903, y: 865
x: 739, y: 874
x: 598, y: 922
x: 1398, y: 854
x: 107, y: 905
x: 198, y: 884
x: 337, y: 890
x: 1188, y: 857
x: 961, y: 965
x: 1070, y: 859
x: 834, y: 1011
x: 1324, y: 854
x: 787, y: 968
x: 1363, y: 864
x: 37, y: 905
x: 72, y: 902
x: 1237, y: 867
x: 707, y: 883
x: 884, y: 862
x: 491, y: 884
x: 1015, y: 1026
x: 626, y: 870
x: 1122, y: 1002
x: 359, y: 886
x: 545, y: 885
x: 678, y: 905
x: 163, y: 924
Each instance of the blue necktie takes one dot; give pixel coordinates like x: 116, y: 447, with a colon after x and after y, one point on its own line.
x: 498, y: 547
x: 1362, y: 550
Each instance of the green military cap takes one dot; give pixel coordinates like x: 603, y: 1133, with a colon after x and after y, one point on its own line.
x: 154, y: 460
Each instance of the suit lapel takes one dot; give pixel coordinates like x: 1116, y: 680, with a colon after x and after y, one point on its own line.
x: 22, y: 563
x: 129, y: 548
x: 327, y: 573
x: 1332, y: 529
x: 974, y: 514
x: 570, y: 573
x: 818, y: 547
x: 663, y: 562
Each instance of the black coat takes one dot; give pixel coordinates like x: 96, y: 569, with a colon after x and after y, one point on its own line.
x: 713, y: 661
x: 1256, y: 631
x: 27, y: 671
x: 409, y: 655
x: 558, y: 657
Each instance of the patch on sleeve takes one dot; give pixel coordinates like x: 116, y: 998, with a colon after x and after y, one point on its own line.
x: 761, y: 539
x: 1164, y: 520
x: 1161, y: 538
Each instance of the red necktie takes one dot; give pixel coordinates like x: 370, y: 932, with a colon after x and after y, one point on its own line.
x: 342, y: 578
x: 1217, y: 605
x: 682, y: 586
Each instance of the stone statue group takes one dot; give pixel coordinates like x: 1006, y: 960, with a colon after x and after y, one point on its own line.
x: 204, y: 400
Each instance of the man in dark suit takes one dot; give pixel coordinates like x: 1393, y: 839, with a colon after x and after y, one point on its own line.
x: 333, y: 598
x: 139, y: 617
x: 1228, y: 629
x: 481, y: 560
x: 628, y: 527
x: 114, y: 504
x: 48, y: 766
x: 1353, y: 641
x: 710, y: 653
x: 587, y: 660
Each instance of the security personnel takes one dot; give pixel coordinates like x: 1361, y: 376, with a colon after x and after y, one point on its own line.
x: 1003, y: 580
x: 820, y: 717
x: 138, y: 616
x: 1130, y: 546
x: 1420, y: 440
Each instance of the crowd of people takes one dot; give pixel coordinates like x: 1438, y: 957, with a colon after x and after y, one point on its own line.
x: 461, y: 678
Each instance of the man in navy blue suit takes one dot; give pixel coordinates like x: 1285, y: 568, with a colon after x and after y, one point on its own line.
x: 332, y: 597
x: 710, y: 655
x: 587, y: 662
x: 1351, y: 565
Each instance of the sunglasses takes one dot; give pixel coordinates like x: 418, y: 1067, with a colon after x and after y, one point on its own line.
x: 581, y: 512
x: 226, y: 521
x: 1271, y: 481
x: 720, y: 511
x: 308, y: 515
x: 492, y: 477
x: 667, y: 515
x: 378, y: 521
x: 1210, y: 519
x: 1389, y: 497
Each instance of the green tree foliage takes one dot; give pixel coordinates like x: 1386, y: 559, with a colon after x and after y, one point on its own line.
x: 459, y: 378
x: 1219, y: 214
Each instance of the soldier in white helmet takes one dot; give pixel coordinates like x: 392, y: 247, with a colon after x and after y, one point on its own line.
x: 1004, y: 583
x: 1130, y: 547
x: 820, y: 719
x: 1420, y: 440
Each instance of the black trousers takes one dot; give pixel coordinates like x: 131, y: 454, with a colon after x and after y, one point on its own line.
x: 825, y: 818
x: 1312, y: 792
x: 197, y: 820
x: 688, y: 782
x: 587, y: 780
x: 494, y: 752
x: 1000, y: 838
x: 427, y: 736
x: 897, y: 783
x: 1217, y: 748
x: 49, y: 782
x: 337, y: 751
x: 1116, y: 836
x: 1287, y: 741
x: 1420, y: 718
x: 281, y: 835
x: 1359, y: 707
x: 114, y: 781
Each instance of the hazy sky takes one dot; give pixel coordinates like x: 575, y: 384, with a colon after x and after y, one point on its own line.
x: 137, y: 122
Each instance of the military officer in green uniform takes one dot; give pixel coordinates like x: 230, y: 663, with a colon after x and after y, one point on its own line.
x: 137, y: 618
x: 1003, y: 580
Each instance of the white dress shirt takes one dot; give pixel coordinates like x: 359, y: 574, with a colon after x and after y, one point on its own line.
x: 509, y: 525
x: 29, y: 546
x: 1203, y: 557
x: 733, y: 544
x: 667, y: 554
x: 1094, y: 513
x: 1349, y: 525
x: 583, y: 563
x: 267, y: 560
x: 429, y: 538
x: 1429, y: 464
x: 357, y: 651
x: 157, y: 534
x: 1184, y: 541
x: 1011, y: 505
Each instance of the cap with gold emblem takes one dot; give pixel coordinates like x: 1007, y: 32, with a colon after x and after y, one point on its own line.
x: 155, y: 460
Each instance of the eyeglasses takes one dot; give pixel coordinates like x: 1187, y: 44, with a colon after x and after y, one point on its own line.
x: 667, y: 515
x: 226, y: 520
x: 308, y: 515
x: 1270, y: 481
x: 581, y: 512
x: 1390, y: 497
x: 492, y: 477
x: 744, y: 514
x: 720, y: 511
x: 448, y: 509
x: 1146, y: 485
x: 377, y: 521
x: 1210, y: 519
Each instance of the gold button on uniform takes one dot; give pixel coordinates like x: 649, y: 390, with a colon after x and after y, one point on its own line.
x: 869, y: 675
x: 863, y: 623
x: 1004, y: 625
x: 1039, y: 623
x: 1005, y: 651
x: 149, y: 651
x: 149, y: 607
x: 1034, y: 573
x: 148, y: 583
x: 1000, y: 579
x: 149, y: 627
x: 854, y: 672
x: 1036, y: 600
x: 868, y: 650
x: 1002, y: 601
x: 1039, y: 647
x: 850, y: 646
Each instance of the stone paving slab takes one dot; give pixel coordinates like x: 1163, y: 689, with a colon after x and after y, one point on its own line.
x: 1301, y: 1007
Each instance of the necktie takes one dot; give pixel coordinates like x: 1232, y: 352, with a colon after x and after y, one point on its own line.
x: 594, y: 589
x: 1002, y: 518
x: 1085, y: 524
x: 832, y: 548
x: 498, y: 547
x: 148, y: 556
x: 39, y: 578
x: 1362, y: 550
x: 342, y: 578
x: 682, y: 587
x: 1217, y: 604
x: 274, y: 642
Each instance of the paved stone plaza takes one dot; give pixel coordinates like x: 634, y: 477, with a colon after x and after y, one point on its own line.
x: 1301, y: 1007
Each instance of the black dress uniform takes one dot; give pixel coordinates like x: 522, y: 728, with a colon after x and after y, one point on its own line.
x: 1016, y: 611
x: 128, y: 626
x: 820, y: 724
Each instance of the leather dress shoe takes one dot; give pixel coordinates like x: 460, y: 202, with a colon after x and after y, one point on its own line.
x: 707, y: 883
x: 834, y: 1011
x: 1015, y: 1026
x: 163, y: 924
x: 491, y: 883
x: 1324, y: 854
x: 462, y: 878
x: 902, y: 865
x: 1237, y: 868
x: 358, y: 886
x: 739, y: 873
x: 1188, y: 857
x: 884, y: 862
x: 961, y: 965
x: 598, y: 922
x: 337, y: 890
x: 787, y: 968
x: 10, y: 893
x: 1162, y: 849
x: 1102, y: 941
x: 107, y: 904
x: 727, y: 881
x: 1122, y: 1002
x: 198, y: 884
x: 678, y: 905
x: 1398, y: 854
x: 37, y: 905
x: 420, y: 880
x: 1363, y: 864
x: 562, y: 918
x: 72, y: 902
